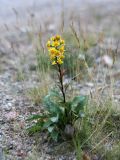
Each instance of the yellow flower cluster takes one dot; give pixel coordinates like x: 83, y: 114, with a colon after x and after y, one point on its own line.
x: 56, y: 49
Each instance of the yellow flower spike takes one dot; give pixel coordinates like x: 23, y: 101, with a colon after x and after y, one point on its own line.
x: 56, y: 49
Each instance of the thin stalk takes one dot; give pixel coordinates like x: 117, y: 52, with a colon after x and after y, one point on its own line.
x: 61, y: 82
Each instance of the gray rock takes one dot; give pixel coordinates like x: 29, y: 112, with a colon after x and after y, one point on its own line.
x: 10, y: 146
x: 8, y: 108
x: 69, y: 130
x: 2, y: 121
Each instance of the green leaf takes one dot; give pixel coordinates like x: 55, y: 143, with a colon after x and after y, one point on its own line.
x: 52, y: 104
x: 53, y: 97
x: 54, y: 92
x: 78, y: 103
x: 50, y: 129
x: 35, y: 128
x: 47, y: 123
x: 35, y: 117
x: 54, y: 119
x: 54, y: 135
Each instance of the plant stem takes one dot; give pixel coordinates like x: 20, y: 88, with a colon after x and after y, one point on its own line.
x: 61, y: 82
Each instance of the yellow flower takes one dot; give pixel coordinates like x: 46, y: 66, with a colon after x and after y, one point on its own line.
x: 48, y: 44
x: 57, y: 37
x: 61, y: 49
x: 52, y: 56
x: 53, y: 63
x: 56, y: 43
x: 59, y: 61
x: 52, y: 38
x: 52, y: 50
x: 62, y: 41
x: 62, y: 56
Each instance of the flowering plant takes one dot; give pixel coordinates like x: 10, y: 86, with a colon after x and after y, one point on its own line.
x: 61, y: 114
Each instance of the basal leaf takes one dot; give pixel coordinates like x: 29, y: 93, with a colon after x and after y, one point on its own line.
x: 50, y: 129
x: 78, y: 103
x: 54, y: 135
x: 55, y: 93
x: 35, y: 128
x: 35, y: 117
x: 52, y: 105
x: 47, y: 124
x: 54, y: 119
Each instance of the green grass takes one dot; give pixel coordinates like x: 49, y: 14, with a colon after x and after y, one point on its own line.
x: 20, y: 75
x: 43, y: 62
x: 103, y: 131
x: 36, y: 94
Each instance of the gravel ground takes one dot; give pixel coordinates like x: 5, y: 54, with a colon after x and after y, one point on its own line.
x: 14, y: 104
